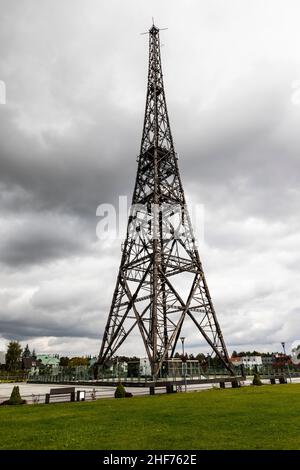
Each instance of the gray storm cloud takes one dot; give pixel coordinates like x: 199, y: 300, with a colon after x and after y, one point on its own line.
x: 75, y: 74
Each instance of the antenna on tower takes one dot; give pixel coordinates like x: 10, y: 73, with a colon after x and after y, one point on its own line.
x: 153, y: 26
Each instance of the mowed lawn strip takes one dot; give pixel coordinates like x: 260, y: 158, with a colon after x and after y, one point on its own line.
x: 266, y: 417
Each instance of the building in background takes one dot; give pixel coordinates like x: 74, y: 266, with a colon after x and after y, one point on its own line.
x: 31, y: 365
x: 267, y: 361
x: 48, y: 360
x: 236, y: 361
x: 247, y: 361
x: 281, y: 360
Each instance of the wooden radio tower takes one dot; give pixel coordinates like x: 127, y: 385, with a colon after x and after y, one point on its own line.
x: 161, y: 281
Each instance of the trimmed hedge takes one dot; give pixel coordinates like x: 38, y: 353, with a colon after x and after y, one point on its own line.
x: 256, y: 380
x: 15, y: 398
x: 120, y: 391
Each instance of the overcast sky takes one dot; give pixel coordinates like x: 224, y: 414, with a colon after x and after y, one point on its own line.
x: 75, y: 74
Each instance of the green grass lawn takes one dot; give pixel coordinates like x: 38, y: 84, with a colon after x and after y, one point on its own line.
x: 266, y: 417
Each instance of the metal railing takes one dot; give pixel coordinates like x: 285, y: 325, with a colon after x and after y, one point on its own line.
x: 201, y: 374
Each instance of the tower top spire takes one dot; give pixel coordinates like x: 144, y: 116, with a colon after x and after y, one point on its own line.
x: 156, y: 130
x: 154, y: 29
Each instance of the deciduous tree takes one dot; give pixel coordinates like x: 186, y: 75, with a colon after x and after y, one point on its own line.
x: 13, y: 355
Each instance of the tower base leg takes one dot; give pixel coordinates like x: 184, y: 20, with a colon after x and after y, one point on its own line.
x: 235, y: 384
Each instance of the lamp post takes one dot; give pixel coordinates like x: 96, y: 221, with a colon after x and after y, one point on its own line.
x: 184, y: 364
x: 283, y: 347
x: 118, y: 375
x: 208, y: 362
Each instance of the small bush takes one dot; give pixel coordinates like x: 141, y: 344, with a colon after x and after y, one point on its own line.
x: 128, y: 395
x: 256, y: 380
x: 120, y: 391
x: 15, y: 398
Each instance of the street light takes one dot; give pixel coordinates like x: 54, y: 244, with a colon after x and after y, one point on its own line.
x: 117, y: 368
x: 283, y: 347
x: 184, y: 364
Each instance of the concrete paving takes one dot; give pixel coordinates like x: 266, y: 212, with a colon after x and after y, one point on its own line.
x: 31, y: 392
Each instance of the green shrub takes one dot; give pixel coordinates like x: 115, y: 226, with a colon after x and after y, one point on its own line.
x: 120, y: 391
x: 256, y: 380
x: 15, y: 398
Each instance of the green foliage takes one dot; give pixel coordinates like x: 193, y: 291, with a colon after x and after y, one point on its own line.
x: 16, y: 376
x: 13, y: 355
x: 214, y: 361
x: 64, y: 361
x: 126, y: 358
x: 256, y: 380
x: 201, y: 357
x: 120, y: 391
x: 26, y: 352
x: 78, y: 361
x: 15, y: 398
x: 251, y: 353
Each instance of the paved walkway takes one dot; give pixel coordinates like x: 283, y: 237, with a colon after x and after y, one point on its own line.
x: 30, y: 391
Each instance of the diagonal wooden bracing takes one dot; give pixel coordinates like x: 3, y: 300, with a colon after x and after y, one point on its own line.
x: 159, y: 248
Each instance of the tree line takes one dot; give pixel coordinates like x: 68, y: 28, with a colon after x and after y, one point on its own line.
x: 15, y: 355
